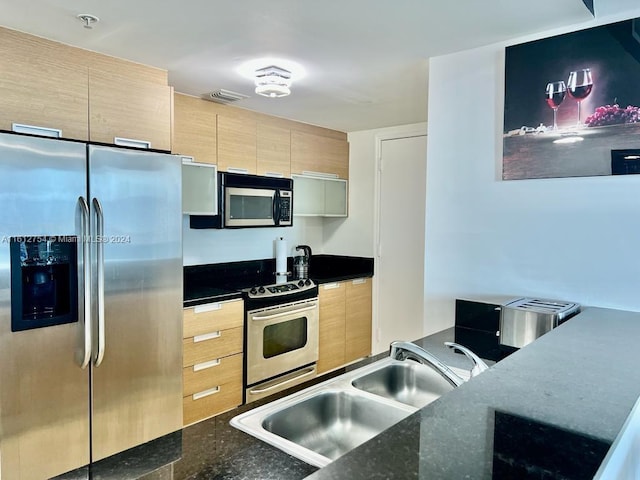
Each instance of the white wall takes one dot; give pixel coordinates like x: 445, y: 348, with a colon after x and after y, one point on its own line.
x: 571, y: 239
x: 232, y: 245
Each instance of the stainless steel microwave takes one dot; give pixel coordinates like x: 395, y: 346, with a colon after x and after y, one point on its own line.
x: 250, y: 201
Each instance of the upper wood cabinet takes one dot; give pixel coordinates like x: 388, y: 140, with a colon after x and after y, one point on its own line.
x: 48, y: 94
x: 237, y: 139
x: 315, y: 153
x: 273, y: 150
x: 124, y: 107
x: 194, y: 128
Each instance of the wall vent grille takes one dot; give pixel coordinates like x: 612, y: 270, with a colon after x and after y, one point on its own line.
x: 224, y: 96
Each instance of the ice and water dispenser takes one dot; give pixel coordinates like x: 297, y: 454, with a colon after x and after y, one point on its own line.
x: 44, y: 281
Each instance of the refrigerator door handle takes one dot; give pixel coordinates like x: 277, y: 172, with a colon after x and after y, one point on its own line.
x: 99, y: 241
x: 84, y: 290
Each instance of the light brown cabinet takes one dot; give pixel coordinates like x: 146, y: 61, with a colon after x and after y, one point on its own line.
x: 358, y: 319
x: 48, y: 94
x: 194, y: 128
x: 331, y: 347
x: 122, y: 107
x: 86, y: 95
x: 273, y: 150
x: 345, y: 323
x: 319, y: 154
x: 212, y: 359
x: 237, y: 139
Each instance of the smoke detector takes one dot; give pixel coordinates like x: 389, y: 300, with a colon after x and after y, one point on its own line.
x: 224, y: 96
x: 88, y: 20
x: 273, y: 82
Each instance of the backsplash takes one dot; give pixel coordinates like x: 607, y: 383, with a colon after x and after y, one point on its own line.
x: 233, y: 245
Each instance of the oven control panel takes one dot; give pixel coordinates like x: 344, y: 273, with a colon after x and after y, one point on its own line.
x: 280, y: 289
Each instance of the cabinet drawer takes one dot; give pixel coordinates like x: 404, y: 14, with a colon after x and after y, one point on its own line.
x: 211, y: 346
x: 211, y: 317
x: 208, y: 403
x: 206, y: 375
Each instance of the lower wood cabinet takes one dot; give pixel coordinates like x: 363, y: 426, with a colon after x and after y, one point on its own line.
x: 358, y: 324
x: 345, y: 323
x: 212, y: 359
x: 331, y: 345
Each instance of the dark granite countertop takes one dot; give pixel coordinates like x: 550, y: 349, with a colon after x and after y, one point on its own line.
x: 224, y: 281
x: 571, y: 389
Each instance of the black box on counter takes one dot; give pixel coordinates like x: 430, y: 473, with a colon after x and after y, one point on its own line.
x: 477, y: 325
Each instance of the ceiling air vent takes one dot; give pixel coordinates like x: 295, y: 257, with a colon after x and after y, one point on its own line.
x: 224, y: 96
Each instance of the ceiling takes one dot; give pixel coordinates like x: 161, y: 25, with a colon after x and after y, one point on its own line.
x: 366, y: 61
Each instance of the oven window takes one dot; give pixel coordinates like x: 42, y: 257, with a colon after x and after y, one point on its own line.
x: 284, y: 337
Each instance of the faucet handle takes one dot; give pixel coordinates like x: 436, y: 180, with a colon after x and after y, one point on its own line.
x: 478, y: 364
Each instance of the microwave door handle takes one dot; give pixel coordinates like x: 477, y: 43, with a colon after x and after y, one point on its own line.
x: 276, y: 208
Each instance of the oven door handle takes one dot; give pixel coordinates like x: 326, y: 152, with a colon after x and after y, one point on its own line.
x: 305, y: 373
x: 282, y: 314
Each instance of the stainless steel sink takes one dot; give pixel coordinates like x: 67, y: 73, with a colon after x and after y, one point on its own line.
x: 325, y: 421
x: 406, y: 382
x: 333, y: 422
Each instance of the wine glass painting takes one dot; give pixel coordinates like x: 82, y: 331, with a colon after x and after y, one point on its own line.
x: 580, y: 84
x: 555, y: 93
x: 590, y: 105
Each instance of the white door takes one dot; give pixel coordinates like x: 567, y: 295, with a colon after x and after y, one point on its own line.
x: 401, y: 232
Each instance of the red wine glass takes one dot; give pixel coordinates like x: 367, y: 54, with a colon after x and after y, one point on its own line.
x: 555, y: 93
x: 579, y: 86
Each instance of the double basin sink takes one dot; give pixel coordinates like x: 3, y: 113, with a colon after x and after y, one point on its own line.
x: 325, y: 421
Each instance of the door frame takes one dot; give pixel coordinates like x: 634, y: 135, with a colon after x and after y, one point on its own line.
x: 393, y: 133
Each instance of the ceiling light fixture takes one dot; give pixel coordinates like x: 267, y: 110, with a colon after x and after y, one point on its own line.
x: 273, y: 82
x: 88, y: 20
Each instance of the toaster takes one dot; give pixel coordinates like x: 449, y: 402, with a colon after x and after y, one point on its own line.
x: 525, y: 319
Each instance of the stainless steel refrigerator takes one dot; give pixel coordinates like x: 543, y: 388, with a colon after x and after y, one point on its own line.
x: 90, y: 302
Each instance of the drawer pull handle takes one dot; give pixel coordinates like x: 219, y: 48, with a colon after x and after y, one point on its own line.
x: 359, y: 281
x: 305, y: 373
x: 207, y: 336
x: 330, y: 286
x: 36, y: 130
x: 131, y: 142
x: 237, y: 170
x: 206, y: 393
x: 273, y: 174
x: 209, y: 307
x: 204, y: 365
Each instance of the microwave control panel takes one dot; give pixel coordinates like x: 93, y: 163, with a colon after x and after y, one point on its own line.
x: 285, y: 207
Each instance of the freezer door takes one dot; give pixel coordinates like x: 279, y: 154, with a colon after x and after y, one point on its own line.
x: 44, y: 394
x: 137, y: 282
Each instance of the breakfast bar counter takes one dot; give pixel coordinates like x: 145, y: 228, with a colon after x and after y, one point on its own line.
x: 552, y: 408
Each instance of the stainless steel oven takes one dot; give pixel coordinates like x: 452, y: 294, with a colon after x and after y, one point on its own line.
x: 282, y: 338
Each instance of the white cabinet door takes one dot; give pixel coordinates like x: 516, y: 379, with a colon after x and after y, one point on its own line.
x: 319, y: 197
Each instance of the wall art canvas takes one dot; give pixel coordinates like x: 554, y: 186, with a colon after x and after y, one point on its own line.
x: 572, y: 103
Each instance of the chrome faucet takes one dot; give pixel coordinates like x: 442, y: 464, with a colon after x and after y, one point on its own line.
x: 411, y: 351
x: 478, y: 364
